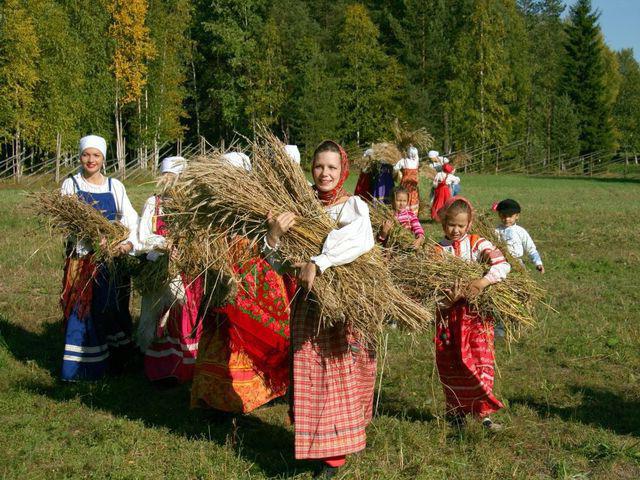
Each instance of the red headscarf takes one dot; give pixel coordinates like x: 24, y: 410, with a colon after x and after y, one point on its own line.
x: 442, y: 213
x: 329, y: 198
x: 447, y: 168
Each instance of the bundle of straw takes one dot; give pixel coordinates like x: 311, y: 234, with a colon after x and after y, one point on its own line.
x: 383, y: 152
x: 426, y: 170
x: 460, y: 159
x: 202, y: 250
x: 68, y: 215
x: 427, y: 275
x: 399, y: 238
x: 220, y: 196
x: 404, y: 136
x: 152, y: 276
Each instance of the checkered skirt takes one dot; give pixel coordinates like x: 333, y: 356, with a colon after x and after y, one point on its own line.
x: 333, y: 384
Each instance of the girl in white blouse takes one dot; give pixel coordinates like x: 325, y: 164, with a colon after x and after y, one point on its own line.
x: 333, y: 371
x: 95, y: 299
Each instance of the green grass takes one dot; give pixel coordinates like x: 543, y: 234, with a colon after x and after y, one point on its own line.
x: 572, y: 385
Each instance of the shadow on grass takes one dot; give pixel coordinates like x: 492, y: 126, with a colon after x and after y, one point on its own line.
x: 397, y: 407
x: 599, y: 407
x: 131, y: 396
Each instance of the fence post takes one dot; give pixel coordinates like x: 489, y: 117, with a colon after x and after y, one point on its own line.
x: 203, y: 146
x: 179, y: 147
x: 58, y: 154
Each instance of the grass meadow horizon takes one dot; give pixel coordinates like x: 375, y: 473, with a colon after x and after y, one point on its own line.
x: 571, y: 385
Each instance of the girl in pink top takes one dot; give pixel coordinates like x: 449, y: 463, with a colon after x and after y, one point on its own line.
x: 403, y: 214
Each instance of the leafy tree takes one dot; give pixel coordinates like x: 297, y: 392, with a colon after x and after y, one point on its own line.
x: 19, y: 54
x: 226, y: 36
x: 133, y: 49
x: 626, y: 109
x: 482, y: 88
x: 163, y: 100
x: 368, y: 78
x: 57, y: 96
x: 89, y: 22
x: 267, y: 78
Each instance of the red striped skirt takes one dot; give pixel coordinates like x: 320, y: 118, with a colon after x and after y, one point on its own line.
x: 465, y: 360
x: 333, y: 384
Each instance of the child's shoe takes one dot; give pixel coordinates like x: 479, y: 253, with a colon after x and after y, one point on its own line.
x: 491, y: 425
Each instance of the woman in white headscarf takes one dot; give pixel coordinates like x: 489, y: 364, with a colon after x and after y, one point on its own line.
x: 170, y: 325
x: 95, y: 299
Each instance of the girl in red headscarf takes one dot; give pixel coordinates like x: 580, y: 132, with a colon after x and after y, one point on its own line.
x: 442, y: 183
x: 333, y: 370
x: 464, y: 339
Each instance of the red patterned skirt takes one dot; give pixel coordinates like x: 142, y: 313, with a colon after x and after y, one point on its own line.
x: 410, y: 182
x: 333, y: 384
x: 465, y: 360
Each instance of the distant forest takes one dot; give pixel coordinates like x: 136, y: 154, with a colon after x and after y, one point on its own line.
x: 474, y: 73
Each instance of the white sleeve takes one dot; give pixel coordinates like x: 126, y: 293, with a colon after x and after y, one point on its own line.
x: 345, y: 244
x: 147, y: 240
x: 399, y: 166
x: 529, y: 247
x: 453, y: 180
x: 437, y: 179
x: 499, y: 268
x: 68, y: 188
x: 128, y: 215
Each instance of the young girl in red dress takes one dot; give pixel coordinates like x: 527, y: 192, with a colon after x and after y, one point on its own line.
x: 464, y: 339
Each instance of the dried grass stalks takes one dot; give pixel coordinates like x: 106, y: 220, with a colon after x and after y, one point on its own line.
x: 426, y: 276
x: 237, y: 202
x: 202, y: 250
x: 383, y: 153
x: 404, y: 136
x: 70, y: 216
x: 399, y: 239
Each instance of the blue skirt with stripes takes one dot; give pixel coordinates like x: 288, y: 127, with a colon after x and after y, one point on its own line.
x: 101, y: 341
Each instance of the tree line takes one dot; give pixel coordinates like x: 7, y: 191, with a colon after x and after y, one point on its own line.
x: 478, y: 74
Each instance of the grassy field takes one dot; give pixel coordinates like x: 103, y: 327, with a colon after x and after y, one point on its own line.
x: 572, y: 385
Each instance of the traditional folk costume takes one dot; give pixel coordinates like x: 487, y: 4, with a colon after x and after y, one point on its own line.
x: 464, y: 339
x: 170, y: 324
x: 244, y: 350
x: 409, y: 169
x: 333, y: 370
x: 375, y: 182
x: 442, y: 184
x: 95, y: 298
x: 410, y: 221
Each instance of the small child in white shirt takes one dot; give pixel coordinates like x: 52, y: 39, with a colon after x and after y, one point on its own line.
x: 517, y: 238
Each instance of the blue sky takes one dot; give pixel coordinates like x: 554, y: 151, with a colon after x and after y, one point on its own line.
x: 619, y: 21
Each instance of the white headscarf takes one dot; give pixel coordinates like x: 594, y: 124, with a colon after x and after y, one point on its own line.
x: 173, y: 165
x: 433, y: 154
x: 237, y: 159
x: 368, y: 152
x: 413, y: 153
x: 94, y: 141
x: 293, y: 152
